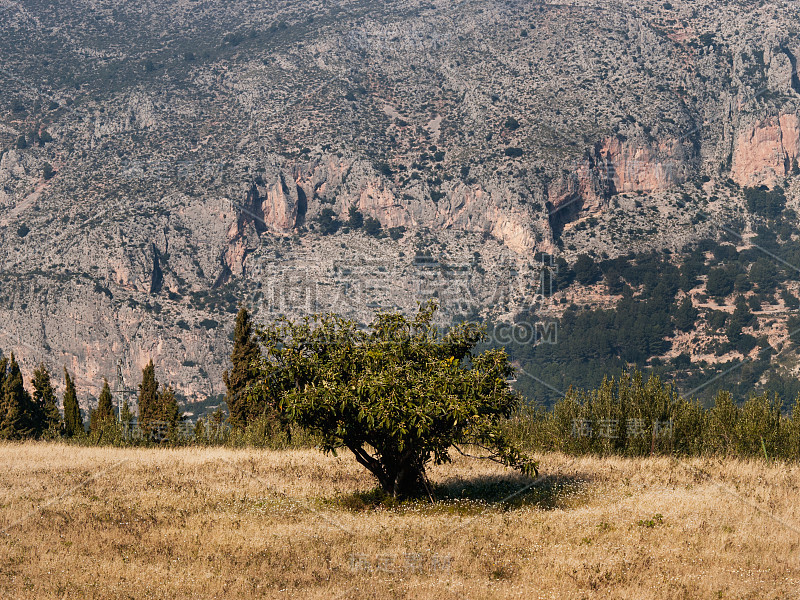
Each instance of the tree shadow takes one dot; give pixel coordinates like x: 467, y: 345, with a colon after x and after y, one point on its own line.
x: 514, y: 490
x: 478, y: 494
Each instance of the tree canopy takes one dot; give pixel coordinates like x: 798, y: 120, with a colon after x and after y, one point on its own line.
x: 398, y: 395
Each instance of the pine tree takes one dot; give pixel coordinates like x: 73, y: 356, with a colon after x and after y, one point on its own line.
x: 685, y: 315
x: 103, y: 416
x: 148, y: 397
x: 243, y: 372
x: 49, y: 417
x: 19, y: 409
x: 73, y: 422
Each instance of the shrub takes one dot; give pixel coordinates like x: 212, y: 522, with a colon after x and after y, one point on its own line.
x: 328, y: 223
x: 372, y: 227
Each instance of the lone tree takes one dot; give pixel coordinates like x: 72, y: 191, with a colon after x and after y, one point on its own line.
x: 398, y: 395
x: 244, y: 371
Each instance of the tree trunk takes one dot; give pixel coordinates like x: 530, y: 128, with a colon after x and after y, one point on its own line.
x: 401, y: 478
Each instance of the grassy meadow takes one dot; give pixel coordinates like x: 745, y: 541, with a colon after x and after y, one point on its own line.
x: 87, y: 522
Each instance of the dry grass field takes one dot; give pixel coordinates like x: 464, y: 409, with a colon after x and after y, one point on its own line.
x: 218, y: 523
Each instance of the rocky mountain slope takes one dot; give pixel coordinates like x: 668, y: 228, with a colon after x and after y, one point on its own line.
x: 162, y: 161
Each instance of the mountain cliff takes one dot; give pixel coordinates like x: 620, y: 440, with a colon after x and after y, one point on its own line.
x: 161, y: 162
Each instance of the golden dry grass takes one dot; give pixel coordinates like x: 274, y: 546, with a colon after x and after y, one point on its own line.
x: 219, y: 523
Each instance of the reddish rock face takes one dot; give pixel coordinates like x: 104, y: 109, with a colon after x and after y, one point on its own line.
x: 766, y: 152
x: 614, y: 166
x: 633, y: 167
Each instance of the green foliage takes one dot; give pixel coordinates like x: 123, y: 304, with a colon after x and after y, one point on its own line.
x: 244, y: 371
x: 513, y: 152
x: 586, y: 270
x: 764, y: 274
x: 328, y: 223
x: 73, y: 421
x: 355, y: 220
x: 398, y: 395
x: 634, y: 417
x: 397, y: 233
x: 102, y: 419
x: 157, y: 409
x: 372, y: 227
x: 720, y: 281
x: 685, y: 315
x: 168, y: 410
x: 762, y: 201
x: 51, y: 424
x: 18, y: 412
x: 148, y: 397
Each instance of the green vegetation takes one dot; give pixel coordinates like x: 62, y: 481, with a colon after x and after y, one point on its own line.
x: 762, y: 201
x: 156, y: 408
x: 398, y: 395
x: 355, y: 220
x: 328, y: 222
x: 73, y: 421
x: 632, y: 416
x: 372, y: 227
x: 243, y: 373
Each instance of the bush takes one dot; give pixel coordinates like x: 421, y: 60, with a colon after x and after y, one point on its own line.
x: 355, y: 220
x: 328, y: 223
x: 513, y: 152
x: 372, y: 227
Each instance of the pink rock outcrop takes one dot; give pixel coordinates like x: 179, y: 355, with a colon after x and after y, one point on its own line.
x: 766, y: 152
x: 615, y: 166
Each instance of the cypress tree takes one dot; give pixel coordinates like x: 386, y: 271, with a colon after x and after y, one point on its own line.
x: 245, y: 353
x: 48, y: 416
x: 148, y: 396
x: 103, y: 416
x: 19, y: 413
x: 126, y: 416
x: 3, y: 374
x: 73, y: 422
x: 168, y: 409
